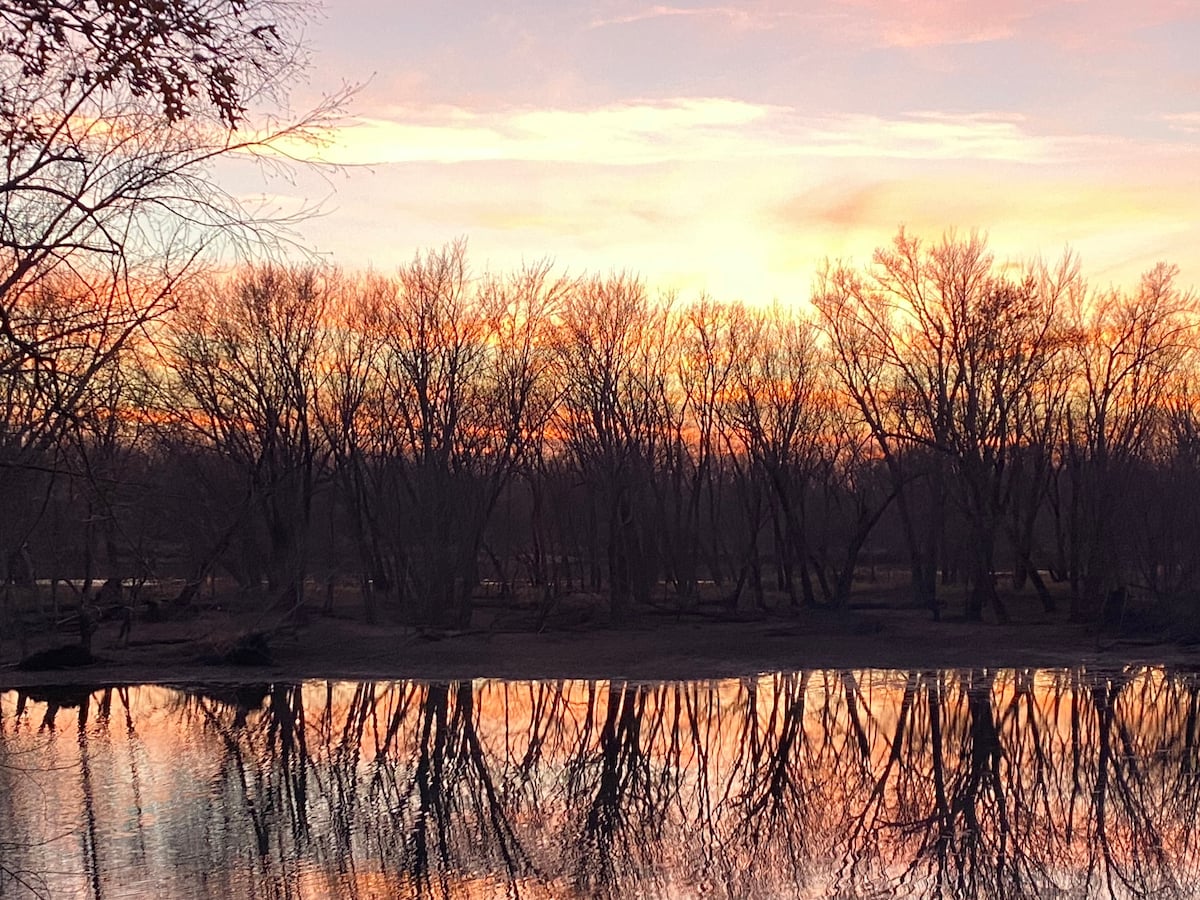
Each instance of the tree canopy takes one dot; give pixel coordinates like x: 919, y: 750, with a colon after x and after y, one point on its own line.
x: 183, y: 55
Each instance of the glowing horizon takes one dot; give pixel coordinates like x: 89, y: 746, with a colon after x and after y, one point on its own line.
x: 732, y: 148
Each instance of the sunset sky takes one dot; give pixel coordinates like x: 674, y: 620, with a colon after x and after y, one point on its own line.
x: 731, y: 148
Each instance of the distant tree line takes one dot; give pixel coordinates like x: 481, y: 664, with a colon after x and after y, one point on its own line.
x: 435, y: 432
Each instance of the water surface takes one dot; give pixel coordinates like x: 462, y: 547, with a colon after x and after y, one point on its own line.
x: 808, y: 784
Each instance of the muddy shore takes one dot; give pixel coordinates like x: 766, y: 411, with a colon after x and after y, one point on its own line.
x: 579, y: 644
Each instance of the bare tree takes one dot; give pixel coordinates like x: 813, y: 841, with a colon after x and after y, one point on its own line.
x: 777, y: 411
x: 852, y: 493
x: 860, y: 327
x: 1126, y: 348
x: 111, y: 117
x: 613, y: 366
x: 350, y: 396
x: 110, y: 123
x: 245, y: 361
x: 942, y: 356
x: 703, y: 376
x: 458, y: 394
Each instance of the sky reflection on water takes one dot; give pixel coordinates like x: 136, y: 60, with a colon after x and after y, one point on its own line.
x: 808, y: 784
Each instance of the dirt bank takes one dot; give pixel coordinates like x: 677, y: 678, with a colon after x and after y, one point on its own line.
x: 578, y: 643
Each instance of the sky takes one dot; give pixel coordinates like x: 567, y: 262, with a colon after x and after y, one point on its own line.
x: 732, y: 148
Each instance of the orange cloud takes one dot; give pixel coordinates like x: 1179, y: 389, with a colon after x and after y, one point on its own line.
x: 1119, y: 230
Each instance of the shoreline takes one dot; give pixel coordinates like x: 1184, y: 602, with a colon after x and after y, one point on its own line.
x: 340, y: 649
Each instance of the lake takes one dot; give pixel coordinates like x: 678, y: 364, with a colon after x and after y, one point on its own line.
x: 839, y: 784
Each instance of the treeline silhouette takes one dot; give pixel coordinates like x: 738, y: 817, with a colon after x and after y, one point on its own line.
x: 432, y: 434
x: 978, y: 783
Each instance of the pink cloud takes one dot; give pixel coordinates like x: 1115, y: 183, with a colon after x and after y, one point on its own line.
x: 1071, y: 24
x: 741, y: 17
x: 923, y: 23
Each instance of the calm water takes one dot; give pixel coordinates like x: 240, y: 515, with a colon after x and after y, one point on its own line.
x: 810, y: 784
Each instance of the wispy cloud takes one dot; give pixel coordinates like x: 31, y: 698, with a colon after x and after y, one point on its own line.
x: 1119, y: 230
x: 679, y: 130
x: 1078, y: 208
x: 900, y: 23
x: 734, y: 15
x: 924, y: 23
x: 1066, y: 24
x: 1187, y: 123
x: 910, y: 23
x: 928, y: 135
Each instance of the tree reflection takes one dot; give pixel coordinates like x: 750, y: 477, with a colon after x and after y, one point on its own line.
x: 978, y: 783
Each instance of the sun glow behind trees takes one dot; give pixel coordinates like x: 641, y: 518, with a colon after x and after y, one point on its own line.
x: 440, y: 428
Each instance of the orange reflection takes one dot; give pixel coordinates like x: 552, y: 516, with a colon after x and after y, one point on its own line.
x: 820, y: 783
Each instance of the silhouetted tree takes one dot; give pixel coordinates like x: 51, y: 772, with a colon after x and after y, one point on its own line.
x: 614, y: 369
x: 944, y: 355
x: 111, y: 116
x: 777, y: 411
x: 1126, y: 348
x: 245, y: 359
